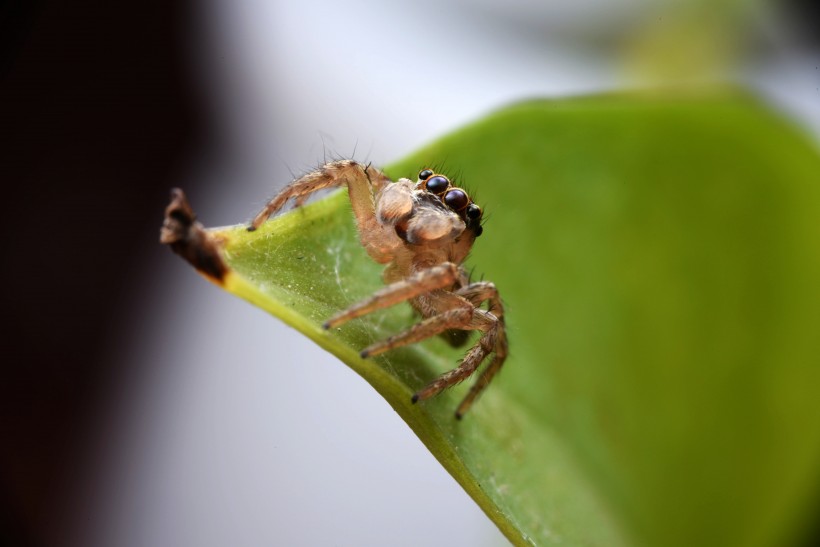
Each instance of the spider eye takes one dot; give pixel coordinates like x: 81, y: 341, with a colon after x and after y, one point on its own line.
x: 473, y: 211
x: 437, y: 184
x: 456, y: 199
x: 426, y: 174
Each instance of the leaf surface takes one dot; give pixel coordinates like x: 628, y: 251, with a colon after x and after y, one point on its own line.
x: 659, y: 260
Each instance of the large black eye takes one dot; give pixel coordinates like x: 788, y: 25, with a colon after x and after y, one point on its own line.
x: 426, y: 174
x: 456, y: 199
x: 473, y: 212
x: 437, y: 184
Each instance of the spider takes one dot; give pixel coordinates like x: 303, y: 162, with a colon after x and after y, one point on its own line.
x: 423, y: 231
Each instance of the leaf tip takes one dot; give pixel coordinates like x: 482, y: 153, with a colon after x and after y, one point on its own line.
x: 187, y: 238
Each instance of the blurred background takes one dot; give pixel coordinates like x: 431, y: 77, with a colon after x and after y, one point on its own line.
x: 140, y: 406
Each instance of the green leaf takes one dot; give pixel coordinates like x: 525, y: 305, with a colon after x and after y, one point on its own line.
x: 659, y: 258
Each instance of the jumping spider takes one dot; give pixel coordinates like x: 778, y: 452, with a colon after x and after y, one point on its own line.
x: 423, y: 231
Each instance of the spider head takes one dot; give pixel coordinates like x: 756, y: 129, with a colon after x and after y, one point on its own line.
x: 453, y: 198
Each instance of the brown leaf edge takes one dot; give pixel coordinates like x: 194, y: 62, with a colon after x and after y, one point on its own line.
x: 188, y: 238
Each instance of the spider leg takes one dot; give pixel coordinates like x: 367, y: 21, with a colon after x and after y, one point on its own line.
x: 468, y: 365
x: 437, y: 277
x: 477, y: 293
x: 337, y: 173
x: 491, y: 327
x: 483, y: 291
x: 494, y: 340
x: 299, y: 201
x: 483, y: 381
x: 452, y: 318
x: 362, y: 181
x: 458, y: 337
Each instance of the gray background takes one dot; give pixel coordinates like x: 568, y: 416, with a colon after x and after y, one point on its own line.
x: 234, y: 429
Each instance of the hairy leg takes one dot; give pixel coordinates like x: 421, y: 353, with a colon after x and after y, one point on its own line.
x: 425, y: 281
x: 483, y: 291
x: 442, y: 311
x: 483, y: 381
x: 456, y: 337
x: 362, y: 181
x: 477, y: 293
x: 492, y: 328
x: 493, y: 341
x: 467, y: 367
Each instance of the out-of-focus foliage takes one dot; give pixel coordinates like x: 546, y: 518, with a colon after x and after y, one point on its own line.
x: 688, y: 40
x: 659, y: 259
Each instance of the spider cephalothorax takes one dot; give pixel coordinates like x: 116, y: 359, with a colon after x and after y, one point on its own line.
x: 423, y: 231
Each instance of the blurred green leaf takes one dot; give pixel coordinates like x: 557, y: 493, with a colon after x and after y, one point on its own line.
x: 659, y: 259
x: 689, y: 40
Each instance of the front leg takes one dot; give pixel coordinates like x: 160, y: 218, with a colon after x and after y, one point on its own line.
x: 363, y: 181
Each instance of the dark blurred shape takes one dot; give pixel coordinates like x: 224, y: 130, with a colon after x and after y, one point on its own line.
x: 806, y: 13
x: 98, y: 116
x: 187, y: 237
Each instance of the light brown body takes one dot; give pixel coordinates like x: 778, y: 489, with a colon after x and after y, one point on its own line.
x: 423, y: 231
